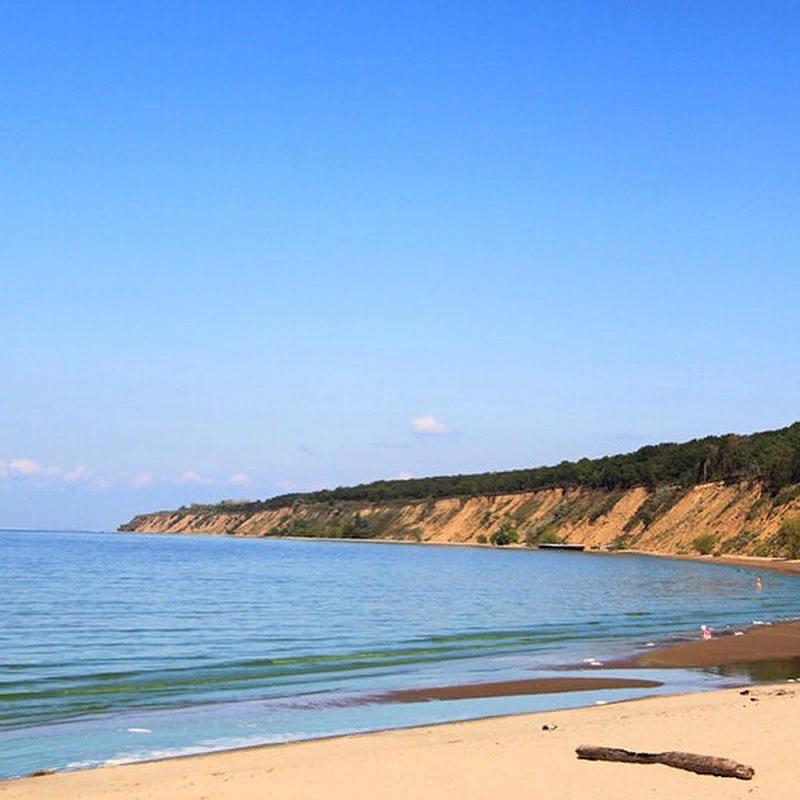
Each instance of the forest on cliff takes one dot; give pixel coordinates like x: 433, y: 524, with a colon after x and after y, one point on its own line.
x: 769, y: 457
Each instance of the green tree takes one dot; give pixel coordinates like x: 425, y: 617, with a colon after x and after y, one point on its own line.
x: 505, y: 534
x: 788, y: 538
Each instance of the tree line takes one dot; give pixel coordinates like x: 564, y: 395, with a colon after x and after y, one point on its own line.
x: 770, y: 457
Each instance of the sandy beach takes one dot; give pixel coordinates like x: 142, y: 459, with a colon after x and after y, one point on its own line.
x: 531, y: 755
x: 510, y: 757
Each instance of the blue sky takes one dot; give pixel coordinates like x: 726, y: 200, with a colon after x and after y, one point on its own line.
x: 254, y: 247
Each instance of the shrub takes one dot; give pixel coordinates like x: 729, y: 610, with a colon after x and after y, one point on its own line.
x: 704, y: 544
x: 505, y: 534
x: 549, y: 536
x: 788, y: 538
x: 482, y: 538
x: 740, y: 542
x: 620, y: 542
x: 786, y: 495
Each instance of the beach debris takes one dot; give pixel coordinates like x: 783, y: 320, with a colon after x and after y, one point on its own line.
x: 692, y: 762
x: 753, y: 699
x: 738, y: 633
x: 745, y: 691
x: 549, y: 727
x: 40, y: 773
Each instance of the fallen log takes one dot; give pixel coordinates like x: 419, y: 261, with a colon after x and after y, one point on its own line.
x: 703, y: 765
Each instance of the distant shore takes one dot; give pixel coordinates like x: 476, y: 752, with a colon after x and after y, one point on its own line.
x: 786, y: 566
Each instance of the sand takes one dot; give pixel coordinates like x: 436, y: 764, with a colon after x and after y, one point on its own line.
x: 766, y: 642
x: 508, y: 757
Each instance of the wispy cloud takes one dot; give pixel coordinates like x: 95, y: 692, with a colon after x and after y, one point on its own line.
x: 239, y: 479
x: 428, y: 425
x: 402, y: 476
x: 25, y: 467
x: 190, y: 476
x: 76, y: 474
x: 29, y: 468
x: 142, y: 480
x: 35, y: 473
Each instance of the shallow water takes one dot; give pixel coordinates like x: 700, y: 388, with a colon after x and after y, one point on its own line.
x: 117, y: 647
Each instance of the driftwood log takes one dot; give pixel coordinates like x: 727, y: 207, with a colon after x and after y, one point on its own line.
x: 703, y: 765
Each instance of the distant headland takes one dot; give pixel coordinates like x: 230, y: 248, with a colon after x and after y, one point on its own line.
x: 720, y: 495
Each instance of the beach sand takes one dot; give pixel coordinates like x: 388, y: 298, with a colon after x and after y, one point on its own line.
x: 508, y: 757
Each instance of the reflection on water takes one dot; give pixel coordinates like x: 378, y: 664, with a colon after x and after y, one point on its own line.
x: 778, y: 669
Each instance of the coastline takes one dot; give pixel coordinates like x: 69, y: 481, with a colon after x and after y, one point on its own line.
x: 755, y: 643
x: 769, y: 563
x: 521, y: 756
x: 769, y: 642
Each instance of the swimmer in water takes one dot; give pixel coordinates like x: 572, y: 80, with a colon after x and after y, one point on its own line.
x: 758, y: 583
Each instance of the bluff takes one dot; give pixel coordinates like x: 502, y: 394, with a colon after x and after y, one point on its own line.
x: 742, y: 518
x: 719, y: 494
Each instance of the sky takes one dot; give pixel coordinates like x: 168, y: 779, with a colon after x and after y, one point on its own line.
x: 256, y: 247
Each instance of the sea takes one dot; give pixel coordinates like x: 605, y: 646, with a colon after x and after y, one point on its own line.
x: 121, y: 647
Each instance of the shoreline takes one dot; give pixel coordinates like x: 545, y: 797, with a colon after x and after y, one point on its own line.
x: 765, y: 643
x: 769, y: 563
x: 770, y: 642
x: 756, y: 644
x: 524, y: 755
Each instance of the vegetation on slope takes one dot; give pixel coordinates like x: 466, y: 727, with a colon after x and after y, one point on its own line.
x: 771, y: 457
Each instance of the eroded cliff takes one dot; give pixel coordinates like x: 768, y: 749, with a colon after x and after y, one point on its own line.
x: 741, y: 518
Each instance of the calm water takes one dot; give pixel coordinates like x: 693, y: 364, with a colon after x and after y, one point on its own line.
x: 121, y: 647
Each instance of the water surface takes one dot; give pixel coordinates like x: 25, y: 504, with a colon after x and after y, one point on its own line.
x: 117, y: 647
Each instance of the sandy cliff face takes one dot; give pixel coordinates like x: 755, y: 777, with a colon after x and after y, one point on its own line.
x: 738, y: 518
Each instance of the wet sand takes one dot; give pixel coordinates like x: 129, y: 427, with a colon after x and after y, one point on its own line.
x: 763, y: 643
x: 512, y: 689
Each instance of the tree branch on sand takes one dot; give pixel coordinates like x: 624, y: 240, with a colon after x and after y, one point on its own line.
x: 703, y: 765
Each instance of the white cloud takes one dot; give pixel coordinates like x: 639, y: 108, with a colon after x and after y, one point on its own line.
x: 25, y: 466
x: 192, y: 477
x: 100, y: 485
x: 240, y: 479
x: 142, y: 480
x: 76, y: 474
x: 429, y: 426
x: 403, y: 476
